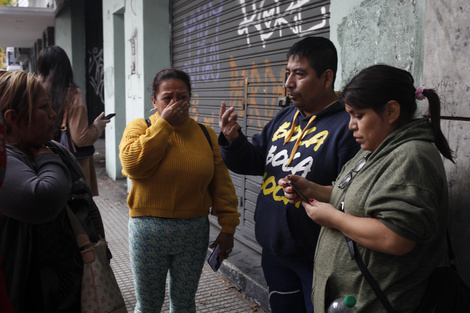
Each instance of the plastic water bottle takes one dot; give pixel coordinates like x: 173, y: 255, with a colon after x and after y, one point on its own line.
x: 342, y: 305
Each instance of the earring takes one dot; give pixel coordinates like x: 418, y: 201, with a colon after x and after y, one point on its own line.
x: 151, y: 110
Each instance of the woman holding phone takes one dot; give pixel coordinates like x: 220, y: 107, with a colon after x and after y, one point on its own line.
x: 178, y: 178
x: 390, y: 199
x: 67, y: 100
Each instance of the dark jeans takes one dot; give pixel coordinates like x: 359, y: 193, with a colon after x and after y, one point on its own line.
x: 290, y: 283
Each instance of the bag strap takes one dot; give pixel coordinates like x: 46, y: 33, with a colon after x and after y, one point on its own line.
x: 373, y: 283
x: 203, y: 128
x: 82, y: 238
x: 63, y: 126
x: 368, y: 276
x: 75, y: 169
x: 206, y: 133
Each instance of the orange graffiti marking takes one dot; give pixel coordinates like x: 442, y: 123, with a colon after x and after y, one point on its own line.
x: 237, y: 83
x: 273, y: 88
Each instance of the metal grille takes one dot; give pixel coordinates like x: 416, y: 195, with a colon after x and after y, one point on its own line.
x: 235, y: 51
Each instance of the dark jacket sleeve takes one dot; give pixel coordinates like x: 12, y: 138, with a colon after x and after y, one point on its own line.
x: 35, y: 193
x: 243, y: 157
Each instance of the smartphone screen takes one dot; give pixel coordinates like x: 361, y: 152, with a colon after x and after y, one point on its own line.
x: 300, y: 193
x: 213, y: 259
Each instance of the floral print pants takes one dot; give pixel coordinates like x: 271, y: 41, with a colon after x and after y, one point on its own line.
x: 161, y: 245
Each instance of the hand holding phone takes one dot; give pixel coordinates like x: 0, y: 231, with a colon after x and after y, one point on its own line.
x: 297, y: 190
x: 213, y: 259
x: 109, y: 116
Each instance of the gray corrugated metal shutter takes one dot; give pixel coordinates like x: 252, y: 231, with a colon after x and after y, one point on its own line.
x: 235, y: 51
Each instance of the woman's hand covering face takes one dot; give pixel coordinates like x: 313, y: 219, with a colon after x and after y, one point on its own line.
x: 172, y: 101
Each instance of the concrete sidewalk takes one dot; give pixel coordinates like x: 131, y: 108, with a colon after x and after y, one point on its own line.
x: 239, y: 285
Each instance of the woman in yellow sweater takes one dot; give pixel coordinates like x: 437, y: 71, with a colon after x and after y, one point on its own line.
x: 177, y: 178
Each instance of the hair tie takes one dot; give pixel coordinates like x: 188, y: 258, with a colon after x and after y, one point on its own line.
x: 419, y: 93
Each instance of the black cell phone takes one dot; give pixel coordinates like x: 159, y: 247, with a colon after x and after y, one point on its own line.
x: 213, y: 259
x: 109, y: 116
x: 300, y: 193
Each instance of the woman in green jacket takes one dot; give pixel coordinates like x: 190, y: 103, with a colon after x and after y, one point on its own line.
x: 390, y: 199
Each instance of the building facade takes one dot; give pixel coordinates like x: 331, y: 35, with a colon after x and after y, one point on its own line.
x: 235, y: 51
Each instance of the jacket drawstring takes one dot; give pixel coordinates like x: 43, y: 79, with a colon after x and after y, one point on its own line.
x: 291, y: 132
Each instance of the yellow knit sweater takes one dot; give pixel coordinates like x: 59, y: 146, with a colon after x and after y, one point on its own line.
x: 175, y: 173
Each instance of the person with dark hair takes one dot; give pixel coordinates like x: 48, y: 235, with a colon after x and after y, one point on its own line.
x: 391, y: 199
x: 67, y: 100
x: 311, y: 139
x: 178, y: 176
x: 41, y: 259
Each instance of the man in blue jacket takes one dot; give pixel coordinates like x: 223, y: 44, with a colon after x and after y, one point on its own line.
x: 311, y: 139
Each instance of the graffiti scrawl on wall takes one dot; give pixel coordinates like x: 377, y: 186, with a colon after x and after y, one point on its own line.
x: 203, y: 63
x: 262, y: 20
x: 266, y: 21
x: 240, y: 46
x: 96, y: 71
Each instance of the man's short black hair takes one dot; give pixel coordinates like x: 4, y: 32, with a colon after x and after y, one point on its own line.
x: 320, y: 53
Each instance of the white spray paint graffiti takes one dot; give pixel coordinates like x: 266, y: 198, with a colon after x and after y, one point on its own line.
x: 201, y: 30
x: 267, y: 20
x: 96, y: 71
x: 203, y: 61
